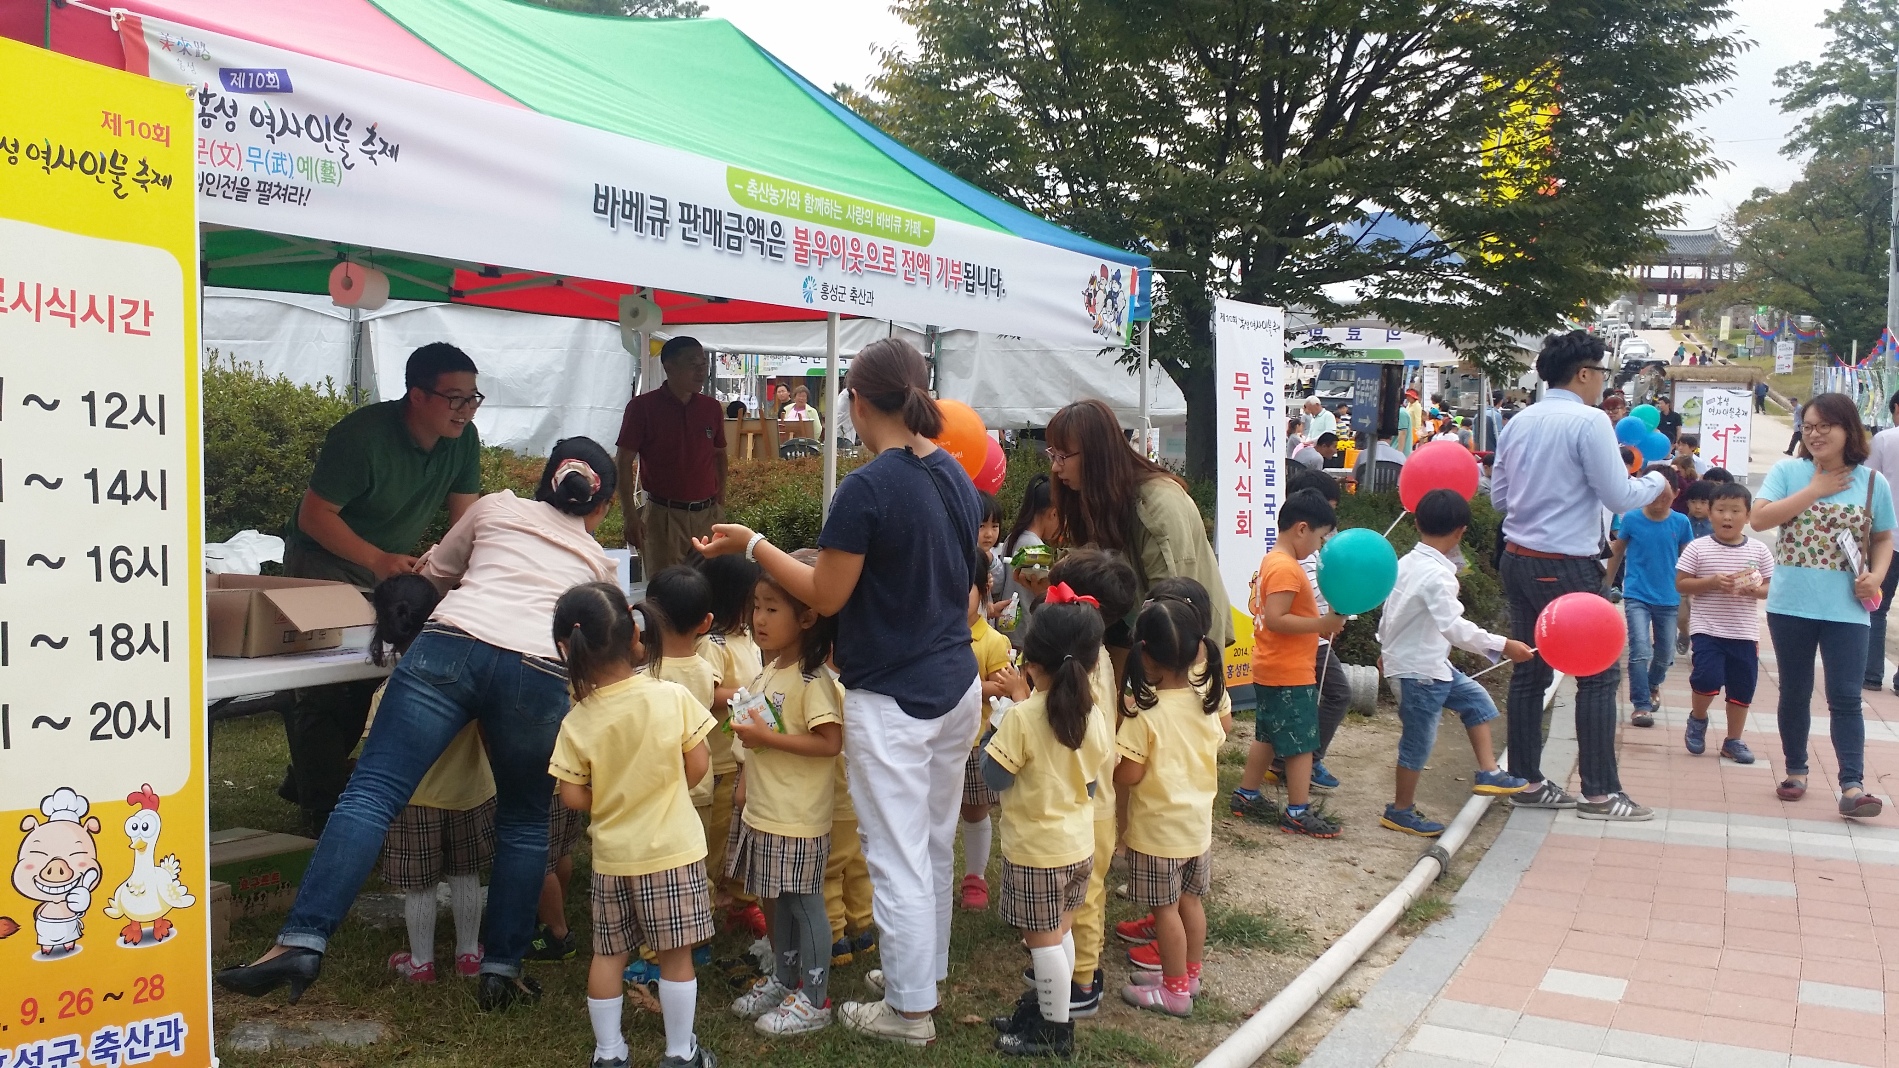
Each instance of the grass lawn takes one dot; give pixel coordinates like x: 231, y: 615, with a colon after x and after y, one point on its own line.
x: 431, y: 1025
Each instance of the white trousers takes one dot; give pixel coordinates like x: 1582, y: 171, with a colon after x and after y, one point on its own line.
x: 906, y: 779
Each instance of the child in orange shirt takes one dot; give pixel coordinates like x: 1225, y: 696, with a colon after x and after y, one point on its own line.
x: 1287, y: 626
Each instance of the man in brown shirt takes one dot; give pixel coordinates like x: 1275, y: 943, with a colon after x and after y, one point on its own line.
x: 672, y: 445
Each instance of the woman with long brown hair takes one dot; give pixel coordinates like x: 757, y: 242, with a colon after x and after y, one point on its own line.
x: 1822, y: 500
x: 1109, y: 496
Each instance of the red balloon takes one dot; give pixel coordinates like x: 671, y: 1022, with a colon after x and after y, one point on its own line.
x: 995, y: 468
x: 1437, y: 465
x: 963, y: 435
x: 1581, y: 634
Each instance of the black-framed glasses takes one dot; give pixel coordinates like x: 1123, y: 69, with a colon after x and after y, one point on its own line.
x: 1818, y: 428
x: 1593, y: 367
x: 458, y: 403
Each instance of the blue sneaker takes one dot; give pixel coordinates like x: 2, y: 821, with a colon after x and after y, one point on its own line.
x: 1410, y: 821
x: 1696, y: 736
x: 864, y: 941
x: 841, y: 952
x: 1323, y: 779
x: 1499, y: 783
x: 1736, y: 750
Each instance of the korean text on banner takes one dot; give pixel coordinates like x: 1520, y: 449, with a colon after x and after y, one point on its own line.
x: 104, y: 924
x: 1727, y: 417
x: 1784, y: 356
x: 1249, y: 345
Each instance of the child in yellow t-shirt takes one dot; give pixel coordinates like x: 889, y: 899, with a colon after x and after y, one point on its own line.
x: 992, y: 656
x: 1287, y: 626
x: 447, y: 832
x: 1044, y: 760
x: 729, y: 648
x: 629, y: 752
x: 1170, y: 747
x: 781, y: 837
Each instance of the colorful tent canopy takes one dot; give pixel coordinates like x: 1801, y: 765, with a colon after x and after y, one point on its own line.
x: 696, y: 86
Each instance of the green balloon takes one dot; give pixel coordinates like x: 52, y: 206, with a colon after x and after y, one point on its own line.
x: 1357, y: 569
x: 1650, y: 415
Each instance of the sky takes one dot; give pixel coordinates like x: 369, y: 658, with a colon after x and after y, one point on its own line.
x: 836, y: 41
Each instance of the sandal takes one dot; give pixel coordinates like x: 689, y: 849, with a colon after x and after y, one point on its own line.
x: 1791, y: 789
x: 1861, y: 805
x: 1642, y: 719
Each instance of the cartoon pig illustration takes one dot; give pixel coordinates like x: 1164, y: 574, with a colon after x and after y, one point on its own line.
x: 59, y: 868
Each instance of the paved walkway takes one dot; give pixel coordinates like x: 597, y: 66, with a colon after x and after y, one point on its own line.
x: 1735, y: 930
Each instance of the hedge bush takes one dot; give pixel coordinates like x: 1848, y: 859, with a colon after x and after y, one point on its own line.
x: 261, y: 436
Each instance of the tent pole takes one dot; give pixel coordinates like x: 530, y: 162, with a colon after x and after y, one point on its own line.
x: 356, y: 356
x: 1147, y: 421
x: 830, y: 410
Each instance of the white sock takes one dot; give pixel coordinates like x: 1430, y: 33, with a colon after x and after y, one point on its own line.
x: 464, y: 903
x: 1068, y: 950
x: 976, y: 837
x: 418, y: 907
x: 608, y: 1042
x: 1051, y: 982
x: 678, y: 1001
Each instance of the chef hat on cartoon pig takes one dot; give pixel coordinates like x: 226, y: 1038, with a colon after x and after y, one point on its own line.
x: 65, y: 804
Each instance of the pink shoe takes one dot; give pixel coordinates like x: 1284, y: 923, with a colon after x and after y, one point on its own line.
x: 404, y: 965
x: 1154, y: 979
x: 1158, y: 998
x: 468, y: 965
x: 975, y: 893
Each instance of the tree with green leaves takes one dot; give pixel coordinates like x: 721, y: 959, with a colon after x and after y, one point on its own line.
x: 632, y: 9
x: 1245, y: 145
x: 1819, y: 247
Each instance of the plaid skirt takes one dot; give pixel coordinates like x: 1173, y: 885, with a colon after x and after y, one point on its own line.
x: 772, y: 865
x: 1155, y: 882
x: 669, y: 909
x: 564, y: 830
x: 976, y: 791
x: 1033, y: 899
x: 424, y: 845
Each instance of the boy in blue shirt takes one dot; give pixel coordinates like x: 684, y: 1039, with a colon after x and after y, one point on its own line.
x: 1649, y: 542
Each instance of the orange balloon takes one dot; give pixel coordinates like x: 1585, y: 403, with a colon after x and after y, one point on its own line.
x: 963, y: 436
x: 1635, y: 465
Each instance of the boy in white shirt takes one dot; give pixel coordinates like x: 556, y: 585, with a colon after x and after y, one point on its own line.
x: 1422, y: 620
x: 1728, y: 574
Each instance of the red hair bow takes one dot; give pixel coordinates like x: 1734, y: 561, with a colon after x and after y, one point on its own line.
x: 1061, y: 593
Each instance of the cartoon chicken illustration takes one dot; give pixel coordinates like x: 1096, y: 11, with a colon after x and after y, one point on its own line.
x: 153, y: 890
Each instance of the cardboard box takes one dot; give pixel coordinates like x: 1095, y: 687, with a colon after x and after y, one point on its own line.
x: 253, y: 615
x: 263, y: 868
x: 220, y: 901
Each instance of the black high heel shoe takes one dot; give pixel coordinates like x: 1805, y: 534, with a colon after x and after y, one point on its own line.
x: 297, y: 967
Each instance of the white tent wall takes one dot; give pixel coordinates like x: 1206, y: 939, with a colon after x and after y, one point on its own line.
x: 545, y: 377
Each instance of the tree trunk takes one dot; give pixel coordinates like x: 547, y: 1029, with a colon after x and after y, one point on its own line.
x: 1203, y: 423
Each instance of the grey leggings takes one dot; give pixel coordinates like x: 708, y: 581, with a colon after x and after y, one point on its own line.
x: 801, y: 937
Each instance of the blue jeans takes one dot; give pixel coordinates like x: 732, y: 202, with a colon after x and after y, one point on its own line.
x: 1876, y: 634
x: 447, y: 680
x: 1842, y: 650
x: 1421, y: 703
x: 1651, y: 648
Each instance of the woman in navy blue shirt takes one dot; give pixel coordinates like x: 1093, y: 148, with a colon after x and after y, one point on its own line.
x: 896, y: 560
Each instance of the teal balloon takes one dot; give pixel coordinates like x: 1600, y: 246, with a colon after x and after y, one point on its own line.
x: 1357, y: 569
x: 1631, y: 431
x: 1654, y: 448
x: 1650, y: 415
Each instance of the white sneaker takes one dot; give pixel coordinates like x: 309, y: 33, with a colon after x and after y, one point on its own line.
x: 875, y: 980
x: 764, y: 996
x: 878, y: 1019
x: 794, y: 1016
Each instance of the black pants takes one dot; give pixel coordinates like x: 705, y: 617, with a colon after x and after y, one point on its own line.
x: 1530, y: 584
x: 324, y: 723
x: 1335, y: 696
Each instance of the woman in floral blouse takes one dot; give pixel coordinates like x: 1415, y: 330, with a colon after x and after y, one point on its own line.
x: 1824, y: 500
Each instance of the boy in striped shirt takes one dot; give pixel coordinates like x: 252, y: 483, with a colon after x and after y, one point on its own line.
x: 1727, y: 574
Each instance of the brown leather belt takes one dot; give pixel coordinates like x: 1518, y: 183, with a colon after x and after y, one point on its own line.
x: 1537, y: 554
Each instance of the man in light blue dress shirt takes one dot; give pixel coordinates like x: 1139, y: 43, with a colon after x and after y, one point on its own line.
x: 1557, y: 467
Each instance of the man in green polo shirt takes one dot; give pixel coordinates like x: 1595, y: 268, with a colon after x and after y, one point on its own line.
x: 384, y: 472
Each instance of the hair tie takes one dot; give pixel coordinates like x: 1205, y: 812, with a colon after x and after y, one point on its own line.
x: 1062, y: 593
x: 1066, y: 657
x: 581, y: 467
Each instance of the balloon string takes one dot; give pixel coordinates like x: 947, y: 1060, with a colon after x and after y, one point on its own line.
x: 1395, y: 522
x: 1492, y: 668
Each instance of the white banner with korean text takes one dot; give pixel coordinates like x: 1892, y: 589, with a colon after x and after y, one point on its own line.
x: 1249, y: 349
x: 291, y: 144
x: 1727, y: 419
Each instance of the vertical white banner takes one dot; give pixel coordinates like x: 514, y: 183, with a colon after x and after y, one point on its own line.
x: 1249, y: 346
x: 1727, y: 416
x: 1784, y: 356
x: 1689, y: 402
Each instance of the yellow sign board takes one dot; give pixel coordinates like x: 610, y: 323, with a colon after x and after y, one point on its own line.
x: 105, y: 916
x: 1239, y: 655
